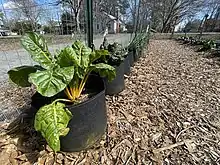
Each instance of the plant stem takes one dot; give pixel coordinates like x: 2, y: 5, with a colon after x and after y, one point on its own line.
x: 83, y: 82
x: 68, y: 93
x: 66, y: 100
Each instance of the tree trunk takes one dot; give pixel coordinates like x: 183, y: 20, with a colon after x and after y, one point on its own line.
x: 215, y: 19
x: 137, y: 18
x: 168, y: 20
x: 77, y: 23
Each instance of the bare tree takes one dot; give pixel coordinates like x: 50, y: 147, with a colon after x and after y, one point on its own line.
x: 112, y: 6
x: 30, y: 10
x: 133, y: 6
x: 1, y: 18
x: 76, y: 7
x: 168, y: 13
x: 212, y: 8
x: 178, y: 8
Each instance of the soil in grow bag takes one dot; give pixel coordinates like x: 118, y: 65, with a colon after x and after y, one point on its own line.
x: 89, y: 120
x: 118, y: 84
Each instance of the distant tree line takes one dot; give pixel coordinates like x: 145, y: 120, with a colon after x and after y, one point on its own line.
x: 163, y: 15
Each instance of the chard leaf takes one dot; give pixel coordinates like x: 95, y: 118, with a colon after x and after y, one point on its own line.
x: 52, y: 120
x: 37, y: 48
x: 95, y: 55
x: 52, y: 81
x: 19, y: 75
x: 67, y: 57
x: 83, y: 53
x: 104, y: 70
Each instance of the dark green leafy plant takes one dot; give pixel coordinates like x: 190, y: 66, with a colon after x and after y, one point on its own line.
x: 199, y: 42
x: 116, y: 54
x: 138, y: 42
x: 68, y: 70
x: 186, y: 40
x: 180, y: 38
x: 207, y: 45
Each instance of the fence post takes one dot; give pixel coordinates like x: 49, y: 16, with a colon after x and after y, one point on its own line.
x: 89, y: 23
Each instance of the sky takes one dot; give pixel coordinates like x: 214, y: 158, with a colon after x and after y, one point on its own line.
x: 199, y: 16
x: 51, y: 12
x: 48, y: 11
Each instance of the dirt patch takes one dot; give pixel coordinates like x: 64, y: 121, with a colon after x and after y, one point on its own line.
x: 169, y: 113
x: 13, y: 100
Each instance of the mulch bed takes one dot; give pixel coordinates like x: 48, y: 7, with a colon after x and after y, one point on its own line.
x: 169, y: 113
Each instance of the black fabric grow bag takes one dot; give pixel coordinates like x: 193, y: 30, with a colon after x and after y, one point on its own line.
x: 131, y: 57
x: 118, y: 84
x: 127, y: 67
x: 89, y: 119
x: 140, y: 53
x: 136, y: 55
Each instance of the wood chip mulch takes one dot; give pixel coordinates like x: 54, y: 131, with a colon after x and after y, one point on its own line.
x: 169, y: 113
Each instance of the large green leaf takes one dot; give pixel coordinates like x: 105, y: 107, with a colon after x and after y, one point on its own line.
x: 37, y: 48
x: 97, y: 54
x: 83, y: 53
x: 67, y: 57
x: 19, y: 75
x: 52, y: 120
x: 50, y: 82
x: 104, y: 70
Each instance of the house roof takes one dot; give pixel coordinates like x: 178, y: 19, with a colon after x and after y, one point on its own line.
x: 113, y: 17
x: 110, y: 16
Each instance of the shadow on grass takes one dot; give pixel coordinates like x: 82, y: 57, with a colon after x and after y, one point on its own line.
x: 30, y: 142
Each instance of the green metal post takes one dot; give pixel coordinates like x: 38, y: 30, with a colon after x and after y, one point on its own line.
x: 89, y: 21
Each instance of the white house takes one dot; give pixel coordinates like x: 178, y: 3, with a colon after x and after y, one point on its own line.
x: 103, y: 20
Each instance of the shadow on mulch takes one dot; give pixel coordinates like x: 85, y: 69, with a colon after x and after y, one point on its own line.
x: 213, y: 54
x: 30, y: 142
x: 194, y: 46
x: 209, y: 54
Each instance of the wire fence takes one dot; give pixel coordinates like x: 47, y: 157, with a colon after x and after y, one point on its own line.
x: 60, y: 24
x: 53, y: 20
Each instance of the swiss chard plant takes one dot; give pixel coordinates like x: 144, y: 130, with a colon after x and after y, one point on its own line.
x: 67, y: 71
x: 116, y: 54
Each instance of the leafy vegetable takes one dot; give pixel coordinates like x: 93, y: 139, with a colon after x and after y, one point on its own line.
x: 37, y: 48
x: 67, y: 70
x: 207, y: 45
x: 83, y: 59
x: 19, y: 75
x: 52, y: 81
x: 52, y: 120
x: 138, y: 42
x: 116, y: 54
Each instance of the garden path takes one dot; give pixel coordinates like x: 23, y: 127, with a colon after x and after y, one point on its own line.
x: 169, y: 113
